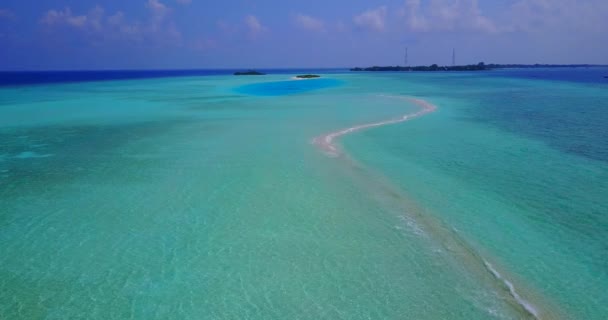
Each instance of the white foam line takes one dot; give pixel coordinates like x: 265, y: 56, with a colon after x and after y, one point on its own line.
x: 326, y: 142
x: 296, y: 78
x: 521, y: 301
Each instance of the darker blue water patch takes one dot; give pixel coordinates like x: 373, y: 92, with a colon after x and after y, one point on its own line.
x: 572, y: 120
x: 281, y: 88
x: 21, y: 78
x: 590, y: 75
x: 565, y: 108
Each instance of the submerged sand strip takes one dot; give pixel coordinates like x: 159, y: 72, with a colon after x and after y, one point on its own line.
x: 327, y: 142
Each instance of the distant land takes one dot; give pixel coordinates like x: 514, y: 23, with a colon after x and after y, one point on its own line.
x: 249, y: 73
x: 471, y: 67
x: 308, y: 76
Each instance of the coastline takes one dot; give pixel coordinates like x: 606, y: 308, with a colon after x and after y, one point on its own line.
x: 475, y: 262
x: 326, y: 142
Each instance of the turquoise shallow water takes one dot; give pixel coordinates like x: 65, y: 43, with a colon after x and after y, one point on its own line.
x: 198, y: 198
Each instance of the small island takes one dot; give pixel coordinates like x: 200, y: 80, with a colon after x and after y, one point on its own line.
x: 308, y: 76
x: 249, y: 73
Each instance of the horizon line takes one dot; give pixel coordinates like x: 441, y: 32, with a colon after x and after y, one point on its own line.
x: 279, y: 68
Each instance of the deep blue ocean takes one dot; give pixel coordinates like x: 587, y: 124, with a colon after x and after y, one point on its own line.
x: 13, y: 78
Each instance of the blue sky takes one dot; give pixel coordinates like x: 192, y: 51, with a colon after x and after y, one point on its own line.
x: 136, y: 34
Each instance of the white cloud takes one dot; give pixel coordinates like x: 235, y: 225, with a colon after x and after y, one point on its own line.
x: 446, y: 15
x: 117, y: 19
x: 414, y: 19
x: 540, y: 16
x: 309, y: 23
x: 6, y: 14
x: 554, y: 15
x: 92, y: 20
x: 99, y: 27
x: 254, y: 26
x: 158, y: 10
x: 65, y: 16
x: 373, y: 20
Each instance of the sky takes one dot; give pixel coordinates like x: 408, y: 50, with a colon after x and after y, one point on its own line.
x: 176, y: 34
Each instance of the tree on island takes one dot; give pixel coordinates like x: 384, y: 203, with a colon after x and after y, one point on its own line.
x: 481, y: 66
x: 308, y: 76
x: 249, y: 73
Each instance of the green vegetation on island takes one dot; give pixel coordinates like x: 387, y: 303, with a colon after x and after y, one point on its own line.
x: 249, y: 73
x: 308, y: 76
x: 471, y: 67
